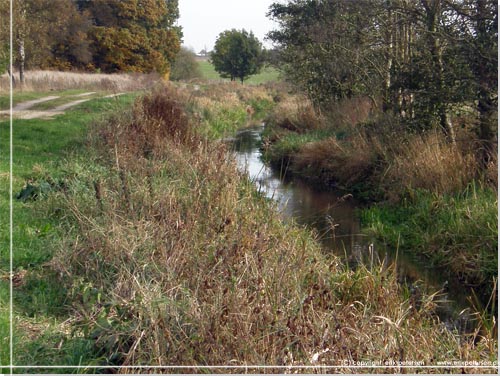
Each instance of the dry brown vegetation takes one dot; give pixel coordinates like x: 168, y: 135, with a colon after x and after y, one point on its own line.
x: 431, y: 162
x: 174, y: 260
x: 54, y: 80
x: 297, y: 114
x: 378, y: 155
x: 440, y: 198
x: 348, y: 162
x: 221, y: 108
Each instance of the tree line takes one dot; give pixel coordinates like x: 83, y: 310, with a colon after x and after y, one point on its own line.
x: 98, y: 35
x: 421, y: 60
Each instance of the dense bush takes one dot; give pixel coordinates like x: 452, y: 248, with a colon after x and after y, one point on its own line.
x: 185, y: 66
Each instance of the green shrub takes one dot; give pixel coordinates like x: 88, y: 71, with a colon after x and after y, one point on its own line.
x: 185, y: 66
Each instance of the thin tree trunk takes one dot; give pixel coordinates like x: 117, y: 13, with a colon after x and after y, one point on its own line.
x: 408, y: 61
x: 433, y: 10
x: 12, y: 77
x: 447, y: 124
x: 486, y: 106
x: 22, y: 59
x: 386, y: 105
x: 444, y: 116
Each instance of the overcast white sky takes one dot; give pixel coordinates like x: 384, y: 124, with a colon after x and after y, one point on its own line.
x: 203, y: 20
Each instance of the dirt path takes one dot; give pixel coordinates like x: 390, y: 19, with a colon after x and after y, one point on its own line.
x: 22, y: 110
x: 27, y: 105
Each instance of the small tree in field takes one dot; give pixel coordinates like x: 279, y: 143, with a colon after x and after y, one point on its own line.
x: 237, y: 54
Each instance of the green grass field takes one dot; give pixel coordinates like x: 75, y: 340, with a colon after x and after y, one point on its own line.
x: 31, y: 95
x: 40, y: 147
x: 268, y: 74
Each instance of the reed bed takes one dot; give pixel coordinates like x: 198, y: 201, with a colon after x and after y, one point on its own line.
x: 296, y: 113
x: 38, y: 80
x: 430, y: 162
x: 174, y: 259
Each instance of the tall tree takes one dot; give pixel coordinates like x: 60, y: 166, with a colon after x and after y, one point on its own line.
x: 485, y: 67
x: 133, y: 35
x: 237, y: 54
x: 332, y: 49
x: 433, y: 19
x: 41, y: 27
x: 479, y: 46
x: 422, y: 58
x: 22, y: 29
x: 71, y: 46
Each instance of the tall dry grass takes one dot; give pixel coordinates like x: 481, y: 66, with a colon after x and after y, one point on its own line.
x: 379, y: 157
x: 174, y: 260
x: 351, y: 111
x: 343, y: 162
x: 393, y: 165
x: 54, y: 80
x: 297, y: 114
x: 430, y: 162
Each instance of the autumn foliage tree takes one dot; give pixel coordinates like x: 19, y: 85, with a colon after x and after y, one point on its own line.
x: 39, y: 28
x: 47, y: 34
x: 108, y: 35
x: 133, y: 35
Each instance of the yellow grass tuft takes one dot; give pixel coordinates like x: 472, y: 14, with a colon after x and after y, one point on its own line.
x: 430, y: 162
x: 296, y: 113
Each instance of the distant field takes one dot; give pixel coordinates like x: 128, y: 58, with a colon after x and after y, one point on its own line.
x: 267, y: 74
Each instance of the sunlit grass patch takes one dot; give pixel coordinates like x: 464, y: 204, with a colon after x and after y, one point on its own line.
x: 458, y: 231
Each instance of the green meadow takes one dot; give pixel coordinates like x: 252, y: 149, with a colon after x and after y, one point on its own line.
x: 268, y: 74
x: 39, y: 149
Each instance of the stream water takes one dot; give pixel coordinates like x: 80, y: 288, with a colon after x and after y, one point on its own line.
x: 334, y: 218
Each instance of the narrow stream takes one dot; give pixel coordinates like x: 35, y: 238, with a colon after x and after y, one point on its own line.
x: 334, y: 219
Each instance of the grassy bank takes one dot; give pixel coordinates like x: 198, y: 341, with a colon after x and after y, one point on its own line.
x: 458, y: 232
x: 164, y: 254
x: 219, y: 109
x: 39, y: 147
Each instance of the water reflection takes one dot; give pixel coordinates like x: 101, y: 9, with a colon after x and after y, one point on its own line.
x: 333, y: 218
